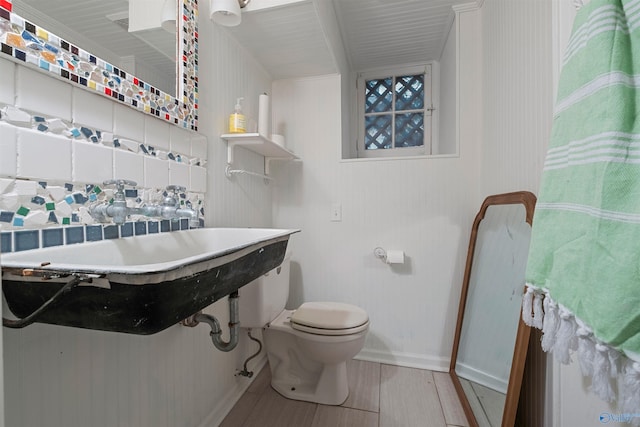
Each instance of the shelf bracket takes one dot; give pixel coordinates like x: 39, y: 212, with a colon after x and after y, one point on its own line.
x: 258, y: 144
x: 229, y: 172
x: 268, y: 160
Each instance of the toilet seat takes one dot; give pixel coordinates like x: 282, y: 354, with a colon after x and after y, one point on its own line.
x: 329, y: 318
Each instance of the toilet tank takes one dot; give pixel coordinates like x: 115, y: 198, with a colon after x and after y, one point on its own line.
x: 261, y: 300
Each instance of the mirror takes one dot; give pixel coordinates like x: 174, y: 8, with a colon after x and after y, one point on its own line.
x: 87, y: 43
x: 103, y: 28
x: 490, y: 343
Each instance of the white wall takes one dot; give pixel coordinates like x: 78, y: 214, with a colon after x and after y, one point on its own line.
x: 517, y: 101
x: 57, y: 376
x: 447, y: 140
x: 422, y: 206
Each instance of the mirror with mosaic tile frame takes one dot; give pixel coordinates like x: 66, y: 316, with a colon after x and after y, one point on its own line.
x: 32, y: 45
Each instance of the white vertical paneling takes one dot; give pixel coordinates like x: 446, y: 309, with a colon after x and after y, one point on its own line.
x: 242, y: 200
x: 446, y: 140
x: 517, y: 101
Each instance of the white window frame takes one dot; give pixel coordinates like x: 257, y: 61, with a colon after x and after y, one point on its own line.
x: 429, y: 125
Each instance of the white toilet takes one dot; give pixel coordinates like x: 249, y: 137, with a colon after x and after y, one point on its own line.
x: 307, y: 348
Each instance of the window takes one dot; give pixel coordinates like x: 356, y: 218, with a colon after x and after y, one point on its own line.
x: 395, y: 112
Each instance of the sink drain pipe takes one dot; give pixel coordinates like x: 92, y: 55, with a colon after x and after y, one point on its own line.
x: 216, y: 331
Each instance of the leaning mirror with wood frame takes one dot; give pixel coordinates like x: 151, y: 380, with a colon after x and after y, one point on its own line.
x: 490, y: 342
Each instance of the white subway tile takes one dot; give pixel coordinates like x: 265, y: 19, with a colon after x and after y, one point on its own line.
x: 198, y: 179
x: 92, y: 163
x: 156, y: 132
x: 92, y: 110
x: 129, y: 166
x: 43, y: 155
x: 7, y: 82
x: 156, y: 173
x: 179, y: 174
x: 8, y: 150
x: 128, y: 123
x: 199, y: 146
x: 180, y: 140
x: 42, y: 94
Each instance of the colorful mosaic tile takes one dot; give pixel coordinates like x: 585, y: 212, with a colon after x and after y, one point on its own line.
x: 52, y: 204
x: 28, y: 43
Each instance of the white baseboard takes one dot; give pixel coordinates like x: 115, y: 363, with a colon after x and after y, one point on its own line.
x: 222, y: 409
x: 409, y: 360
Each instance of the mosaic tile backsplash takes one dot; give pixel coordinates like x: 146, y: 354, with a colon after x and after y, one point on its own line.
x: 32, y: 45
x: 37, y: 214
x: 36, y: 211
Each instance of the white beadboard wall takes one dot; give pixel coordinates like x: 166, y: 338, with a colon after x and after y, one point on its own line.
x: 230, y: 73
x: 56, y: 376
x: 517, y: 101
x: 422, y: 206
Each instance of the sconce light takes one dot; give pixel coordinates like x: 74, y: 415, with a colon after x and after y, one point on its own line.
x: 227, y: 12
x: 169, y: 13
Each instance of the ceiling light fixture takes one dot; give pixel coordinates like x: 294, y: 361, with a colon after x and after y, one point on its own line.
x: 227, y: 12
x: 169, y: 13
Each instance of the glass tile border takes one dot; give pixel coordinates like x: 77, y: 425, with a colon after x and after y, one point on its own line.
x: 16, y: 240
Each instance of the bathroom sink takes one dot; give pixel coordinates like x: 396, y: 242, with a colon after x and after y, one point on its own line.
x: 142, y: 284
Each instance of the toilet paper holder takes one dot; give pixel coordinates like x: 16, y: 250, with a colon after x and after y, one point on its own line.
x: 391, y: 257
x: 380, y: 253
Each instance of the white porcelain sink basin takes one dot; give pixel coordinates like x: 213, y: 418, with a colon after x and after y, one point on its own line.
x: 151, y: 253
x: 139, y: 284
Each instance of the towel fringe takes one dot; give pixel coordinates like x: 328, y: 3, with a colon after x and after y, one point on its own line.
x: 565, y: 337
x: 613, y: 375
x: 550, y: 323
x: 586, y: 348
x: 601, y: 378
x: 537, y: 310
x: 527, y: 307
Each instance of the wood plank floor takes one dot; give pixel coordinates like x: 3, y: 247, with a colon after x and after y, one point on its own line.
x: 380, y: 396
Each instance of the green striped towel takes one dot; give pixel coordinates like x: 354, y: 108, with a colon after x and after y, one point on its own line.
x: 583, y: 272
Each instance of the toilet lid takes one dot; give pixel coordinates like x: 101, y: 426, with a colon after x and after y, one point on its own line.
x: 329, y: 315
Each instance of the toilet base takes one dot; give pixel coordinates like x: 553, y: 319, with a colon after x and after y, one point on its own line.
x: 331, y: 387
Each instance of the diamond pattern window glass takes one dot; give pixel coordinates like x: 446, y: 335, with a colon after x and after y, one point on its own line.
x: 379, y: 95
x: 394, y: 113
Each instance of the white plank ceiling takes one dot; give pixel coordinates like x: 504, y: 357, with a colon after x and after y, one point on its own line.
x: 290, y: 41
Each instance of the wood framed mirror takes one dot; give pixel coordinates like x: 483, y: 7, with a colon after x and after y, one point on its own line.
x: 491, y: 340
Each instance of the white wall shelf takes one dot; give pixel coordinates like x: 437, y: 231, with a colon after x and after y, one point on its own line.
x: 258, y: 144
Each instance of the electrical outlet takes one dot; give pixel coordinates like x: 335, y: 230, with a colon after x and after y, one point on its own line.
x: 336, y: 212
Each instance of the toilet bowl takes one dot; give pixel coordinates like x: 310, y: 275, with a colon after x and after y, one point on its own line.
x: 307, y: 348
